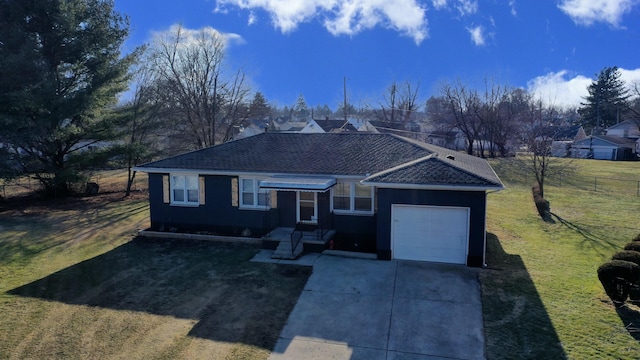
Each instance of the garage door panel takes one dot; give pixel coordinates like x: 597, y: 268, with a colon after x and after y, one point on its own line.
x: 430, y: 233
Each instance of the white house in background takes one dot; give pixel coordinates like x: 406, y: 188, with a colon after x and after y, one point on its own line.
x: 604, y: 147
x: 361, y: 124
x: 628, y: 129
x: 316, y: 126
x: 251, y: 128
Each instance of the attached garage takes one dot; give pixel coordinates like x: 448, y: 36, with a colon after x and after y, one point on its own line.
x: 430, y: 233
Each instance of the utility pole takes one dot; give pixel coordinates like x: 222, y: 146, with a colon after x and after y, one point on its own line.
x: 344, y: 106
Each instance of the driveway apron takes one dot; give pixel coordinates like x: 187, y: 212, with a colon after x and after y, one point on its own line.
x: 370, y: 309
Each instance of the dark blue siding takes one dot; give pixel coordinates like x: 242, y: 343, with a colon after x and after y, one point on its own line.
x: 217, y: 215
x: 287, y: 208
x: 474, y: 200
x: 355, y: 224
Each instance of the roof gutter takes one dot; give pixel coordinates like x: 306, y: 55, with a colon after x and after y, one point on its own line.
x: 434, y: 187
x: 152, y: 170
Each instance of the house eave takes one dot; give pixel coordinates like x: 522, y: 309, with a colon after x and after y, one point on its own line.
x: 298, y: 183
x: 433, y: 187
x: 152, y: 170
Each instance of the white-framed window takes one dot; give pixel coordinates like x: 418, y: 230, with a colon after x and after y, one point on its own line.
x: 352, y: 197
x: 185, y: 190
x: 251, y: 196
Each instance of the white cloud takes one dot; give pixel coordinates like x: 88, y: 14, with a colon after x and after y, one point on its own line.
x: 477, y: 35
x: 342, y: 17
x: 189, y: 36
x: 512, y: 5
x: 464, y: 7
x: 439, y: 4
x: 564, y: 89
x: 252, y: 18
x: 467, y: 7
x: 587, y: 12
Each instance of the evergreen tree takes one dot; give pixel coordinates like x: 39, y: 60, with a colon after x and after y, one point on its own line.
x: 301, y: 110
x: 60, y: 68
x: 607, y: 102
x: 322, y: 112
x: 259, y: 109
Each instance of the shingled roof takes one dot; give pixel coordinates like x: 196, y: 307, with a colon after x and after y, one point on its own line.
x: 381, y: 158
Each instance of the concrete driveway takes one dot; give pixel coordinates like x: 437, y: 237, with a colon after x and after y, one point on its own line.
x: 369, y: 309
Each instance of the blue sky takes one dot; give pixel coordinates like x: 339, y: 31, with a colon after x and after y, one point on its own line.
x: 292, y: 47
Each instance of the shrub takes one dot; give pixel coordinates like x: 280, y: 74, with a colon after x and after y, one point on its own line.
x: 637, y: 238
x: 616, y: 276
x: 634, y: 246
x: 628, y: 255
x: 541, y: 204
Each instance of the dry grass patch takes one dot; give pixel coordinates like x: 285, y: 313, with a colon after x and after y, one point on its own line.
x: 75, y: 284
x: 541, y: 295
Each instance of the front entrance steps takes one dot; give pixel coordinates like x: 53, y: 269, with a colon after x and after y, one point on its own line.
x: 283, y: 251
x: 280, y: 240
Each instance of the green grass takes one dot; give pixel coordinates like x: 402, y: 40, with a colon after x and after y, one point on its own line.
x: 541, y: 294
x: 75, y: 283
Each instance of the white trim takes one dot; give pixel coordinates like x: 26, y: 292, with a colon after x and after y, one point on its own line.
x: 352, y: 200
x: 241, y: 173
x: 468, y: 224
x: 433, y: 187
x: 304, y: 183
x: 315, y: 207
x: 338, y: 177
x: 256, y: 190
x: 186, y: 201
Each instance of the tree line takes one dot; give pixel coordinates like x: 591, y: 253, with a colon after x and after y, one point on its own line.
x: 63, y: 78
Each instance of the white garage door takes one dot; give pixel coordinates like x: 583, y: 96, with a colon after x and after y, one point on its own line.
x: 430, y: 233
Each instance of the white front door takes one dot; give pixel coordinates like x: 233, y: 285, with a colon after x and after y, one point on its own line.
x: 307, y: 207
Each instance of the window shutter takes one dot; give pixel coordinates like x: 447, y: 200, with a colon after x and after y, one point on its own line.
x: 201, y: 189
x: 274, y: 199
x: 165, y: 189
x: 234, y: 192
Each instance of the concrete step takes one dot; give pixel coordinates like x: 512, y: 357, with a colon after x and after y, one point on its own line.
x: 283, y: 251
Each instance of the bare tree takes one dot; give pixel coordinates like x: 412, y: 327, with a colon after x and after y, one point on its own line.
x: 506, y: 129
x: 141, y: 119
x: 190, y: 68
x: 463, y: 105
x: 539, y: 140
x: 400, y: 102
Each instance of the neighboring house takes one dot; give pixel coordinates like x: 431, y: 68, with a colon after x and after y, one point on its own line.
x: 562, y: 138
x: 251, y: 128
x: 316, y: 126
x: 411, y: 129
x: 563, y: 133
x: 604, y: 147
x: 406, y: 199
x: 627, y: 129
x: 289, y: 126
x: 362, y: 124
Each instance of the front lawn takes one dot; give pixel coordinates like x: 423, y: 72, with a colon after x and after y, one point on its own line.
x: 75, y: 284
x: 541, y: 295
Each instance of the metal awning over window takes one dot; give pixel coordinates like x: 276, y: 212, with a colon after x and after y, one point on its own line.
x: 298, y: 183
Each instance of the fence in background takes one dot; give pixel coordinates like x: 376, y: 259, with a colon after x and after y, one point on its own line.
x: 20, y: 187
x: 613, y: 185
x: 600, y: 184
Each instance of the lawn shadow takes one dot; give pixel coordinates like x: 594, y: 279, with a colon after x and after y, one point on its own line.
x: 43, y: 232
x: 517, y: 325
x: 232, y: 299
x: 630, y: 316
x: 594, y: 240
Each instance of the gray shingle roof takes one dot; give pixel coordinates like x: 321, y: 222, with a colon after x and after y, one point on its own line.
x: 392, y: 157
x: 430, y: 171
